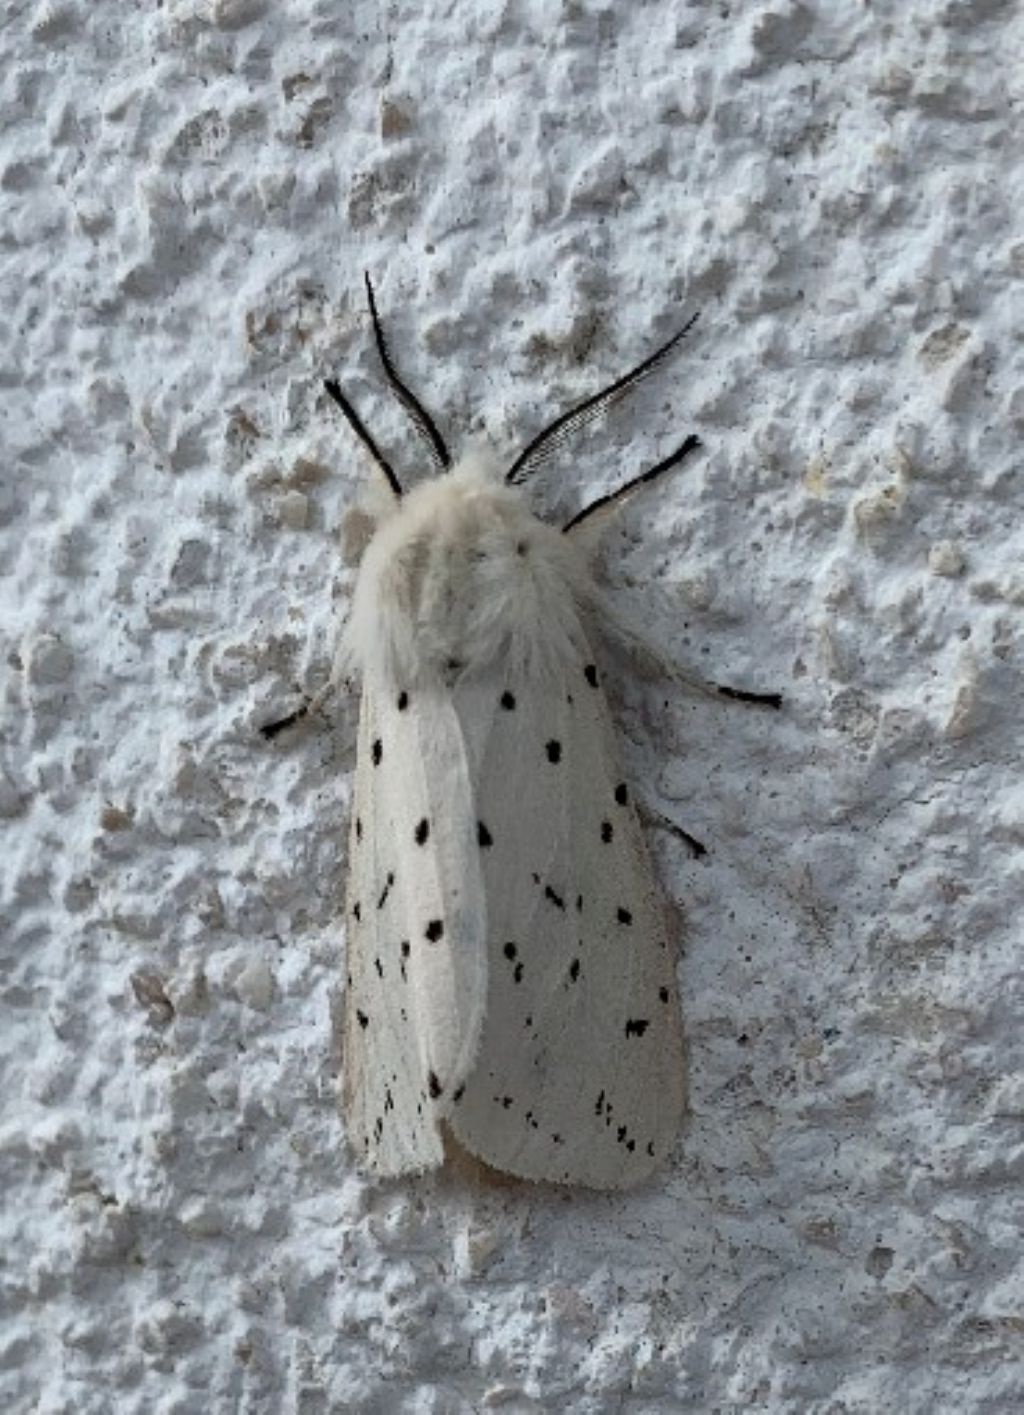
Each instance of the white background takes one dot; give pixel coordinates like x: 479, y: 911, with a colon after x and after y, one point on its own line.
x: 189, y: 193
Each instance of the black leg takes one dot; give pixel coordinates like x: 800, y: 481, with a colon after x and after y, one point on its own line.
x: 271, y: 729
x: 742, y: 695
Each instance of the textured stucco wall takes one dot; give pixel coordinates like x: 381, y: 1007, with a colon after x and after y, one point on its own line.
x: 189, y: 193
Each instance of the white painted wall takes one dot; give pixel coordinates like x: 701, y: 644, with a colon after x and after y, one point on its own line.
x: 189, y: 193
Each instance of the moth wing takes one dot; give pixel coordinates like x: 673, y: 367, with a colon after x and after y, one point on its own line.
x: 579, y: 1077
x: 416, y: 925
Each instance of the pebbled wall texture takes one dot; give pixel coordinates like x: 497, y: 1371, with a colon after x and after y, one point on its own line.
x: 189, y: 194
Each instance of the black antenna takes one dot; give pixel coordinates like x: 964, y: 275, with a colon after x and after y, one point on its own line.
x: 362, y: 432
x: 423, y: 422
x: 690, y: 444
x: 555, y: 434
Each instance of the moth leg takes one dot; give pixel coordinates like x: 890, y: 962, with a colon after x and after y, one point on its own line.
x: 707, y: 687
x: 655, y: 820
x: 744, y: 695
x: 648, y: 656
x: 312, y: 704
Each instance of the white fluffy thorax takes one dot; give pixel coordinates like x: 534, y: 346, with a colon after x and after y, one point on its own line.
x: 461, y: 575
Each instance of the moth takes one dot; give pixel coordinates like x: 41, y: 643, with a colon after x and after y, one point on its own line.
x: 510, y: 959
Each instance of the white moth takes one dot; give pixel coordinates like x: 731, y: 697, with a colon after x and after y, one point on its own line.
x: 511, y: 966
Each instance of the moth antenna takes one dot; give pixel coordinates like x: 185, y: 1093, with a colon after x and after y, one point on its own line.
x: 422, y: 421
x: 555, y: 433
x: 688, y: 445
x: 363, y: 433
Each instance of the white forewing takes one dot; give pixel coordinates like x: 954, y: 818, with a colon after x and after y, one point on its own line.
x: 416, y: 922
x: 579, y: 1075
x: 511, y: 972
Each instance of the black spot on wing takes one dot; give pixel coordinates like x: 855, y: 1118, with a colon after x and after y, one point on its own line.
x: 555, y: 899
x: 607, y: 833
x: 362, y: 1019
x: 554, y: 751
x: 422, y: 832
x: 624, y: 916
x: 357, y: 911
x: 484, y: 838
x: 403, y: 700
x: 574, y: 970
x: 508, y: 701
x: 663, y: 994
x: 434, y: 930
x: 622, y: 794
x: 590, y: 674
x: 510, y: 952
x: 377, y: 751
x: 636, y: 1026
x: 386, y: 890
x: 434, y: 1085
x: 359, y: 829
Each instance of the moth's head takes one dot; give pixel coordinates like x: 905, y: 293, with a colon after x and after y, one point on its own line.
x: 461, y: 574
x: 467, y: 512
x: 476, y: 471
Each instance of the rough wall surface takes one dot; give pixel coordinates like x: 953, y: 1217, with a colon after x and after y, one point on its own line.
x: 189, y: 193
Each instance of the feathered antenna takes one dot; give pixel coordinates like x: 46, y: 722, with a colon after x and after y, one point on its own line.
x: 422, y: 421
x: 363, y: 433
x: 555, y: 434
x: 688, y: 445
